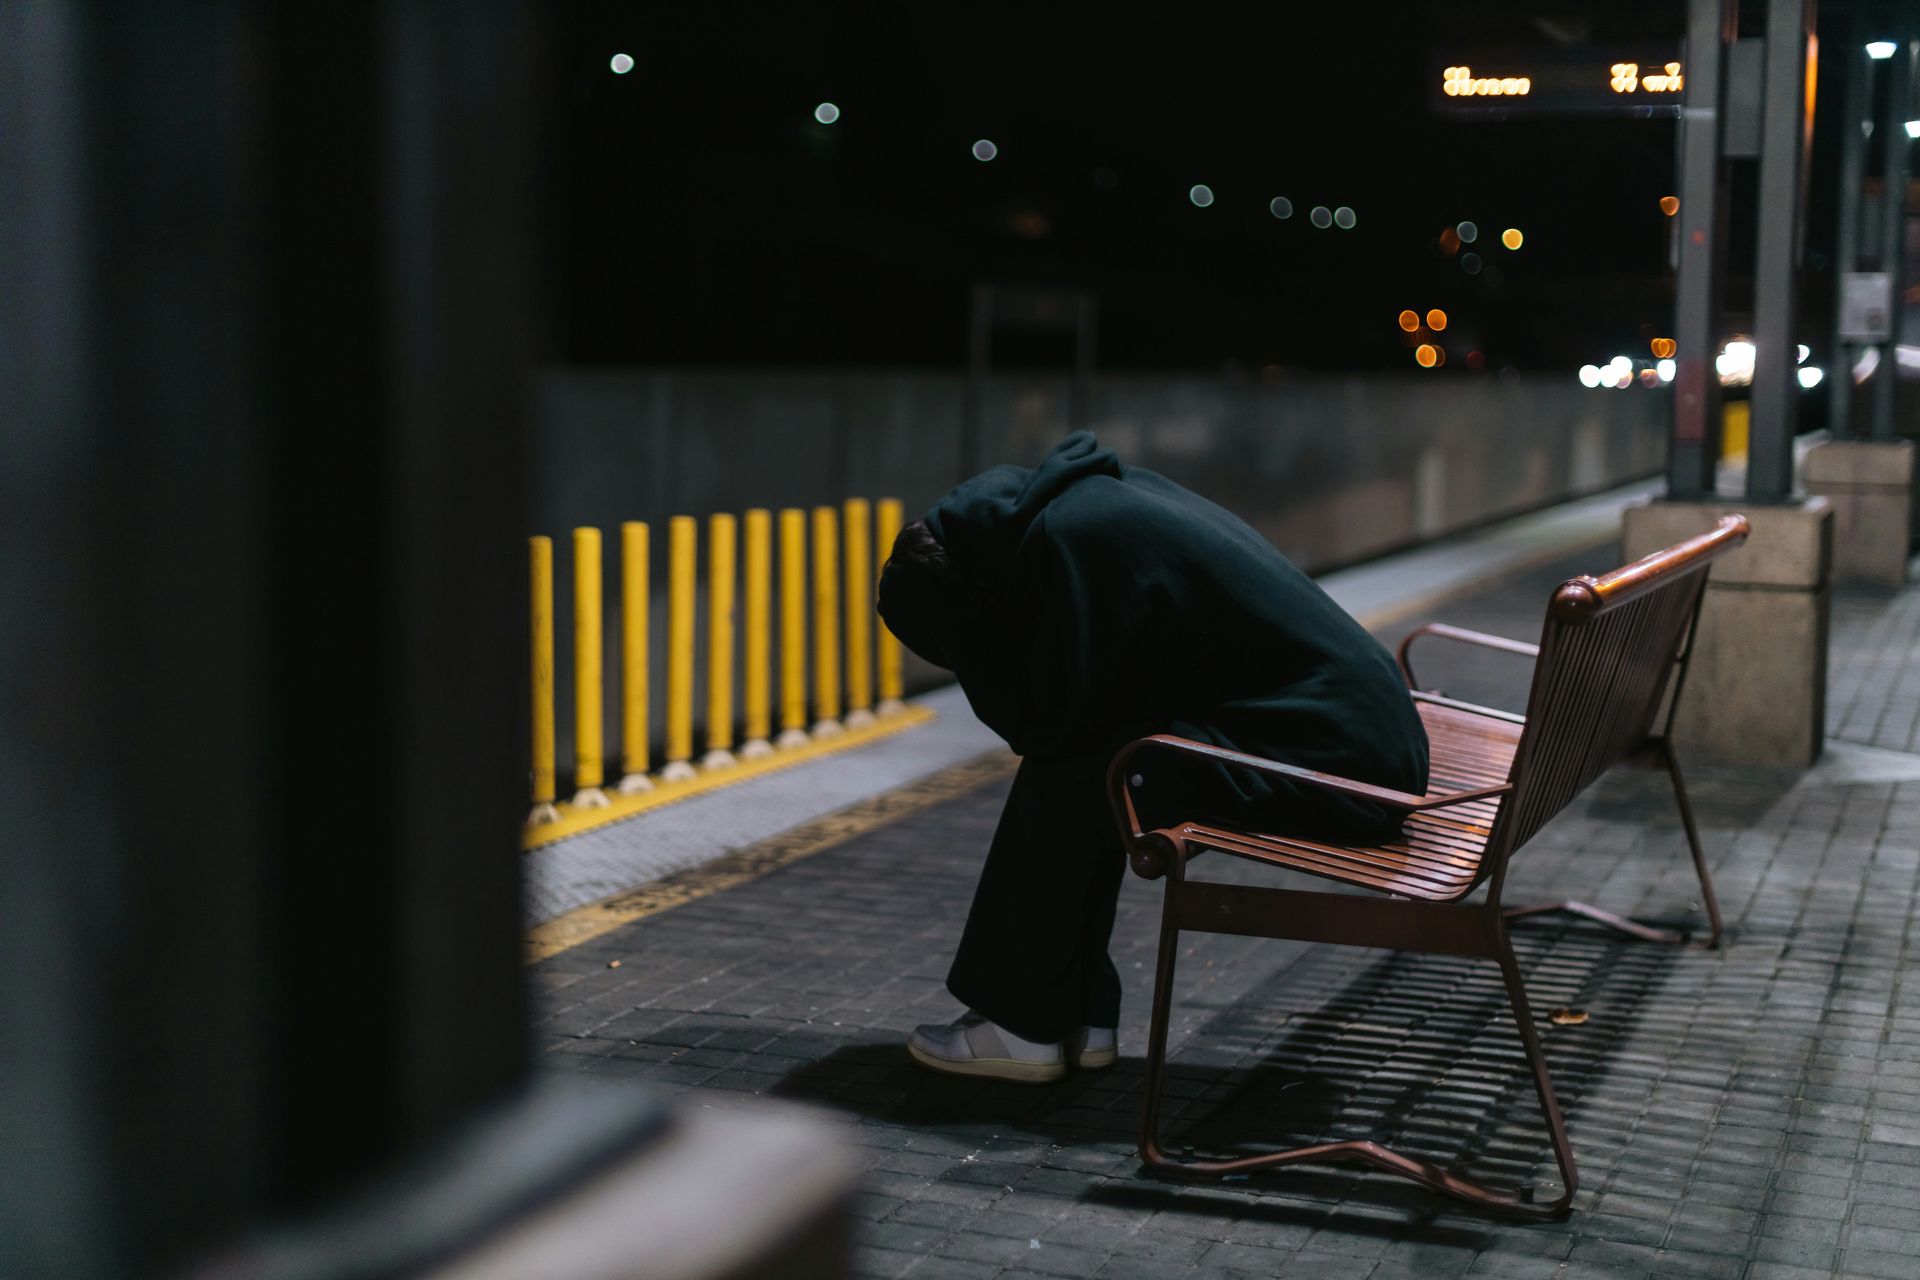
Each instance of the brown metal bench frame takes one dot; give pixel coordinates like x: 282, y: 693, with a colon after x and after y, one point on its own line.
x: 1611, y: 649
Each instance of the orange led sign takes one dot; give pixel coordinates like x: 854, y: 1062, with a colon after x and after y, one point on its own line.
x: 1640, y: 81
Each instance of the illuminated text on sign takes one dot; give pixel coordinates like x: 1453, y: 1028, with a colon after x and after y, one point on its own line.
x: 1627, y: 79
x: 1460, y: 82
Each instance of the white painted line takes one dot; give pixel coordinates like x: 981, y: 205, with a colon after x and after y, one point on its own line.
x: 1385, y: 586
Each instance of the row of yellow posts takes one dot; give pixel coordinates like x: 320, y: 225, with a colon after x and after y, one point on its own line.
x: 842, y: 583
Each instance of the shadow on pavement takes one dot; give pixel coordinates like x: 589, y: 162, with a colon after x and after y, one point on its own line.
x: 1725, y: 798
x: 1415, y: 1050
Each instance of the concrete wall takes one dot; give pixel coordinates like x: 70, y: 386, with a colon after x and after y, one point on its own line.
x: 1332, y: 470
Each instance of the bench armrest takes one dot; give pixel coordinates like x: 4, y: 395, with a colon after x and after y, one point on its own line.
x: 1461, y: 635
x: 1385, y: 796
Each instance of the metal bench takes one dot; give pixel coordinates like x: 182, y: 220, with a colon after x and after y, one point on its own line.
x: 1611, y: 650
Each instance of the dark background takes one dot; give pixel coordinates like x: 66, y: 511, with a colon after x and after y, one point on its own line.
x: 701, y: 215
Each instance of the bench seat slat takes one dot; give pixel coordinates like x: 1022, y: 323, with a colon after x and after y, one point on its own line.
x: 1439, y: 852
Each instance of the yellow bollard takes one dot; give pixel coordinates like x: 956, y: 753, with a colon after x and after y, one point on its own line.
x: 588, y: 765
x: 793, y: 628
x: 636, y: 608
x: 540, y: 558
x: 859, y: 601
x: 826, y: 624
x: 892, y: 687
x: 759, y: 640
x: 720, y: 591
x: 681, y: 532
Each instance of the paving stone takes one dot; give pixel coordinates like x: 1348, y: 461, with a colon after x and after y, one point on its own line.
x: 887, y: 1263
x: 1751, y: 1113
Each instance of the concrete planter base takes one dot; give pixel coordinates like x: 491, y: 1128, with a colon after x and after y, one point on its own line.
x: 1869, y: 484
x: 1756, y: 692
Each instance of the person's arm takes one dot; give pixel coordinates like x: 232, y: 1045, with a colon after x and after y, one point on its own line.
x: 1085, y: 600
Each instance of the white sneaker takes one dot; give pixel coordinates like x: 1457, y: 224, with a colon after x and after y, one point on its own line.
x: 972, y: 1046
x: 1093, y: 1048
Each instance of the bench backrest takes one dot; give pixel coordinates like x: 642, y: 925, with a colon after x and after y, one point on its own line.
x: 1608, y: 650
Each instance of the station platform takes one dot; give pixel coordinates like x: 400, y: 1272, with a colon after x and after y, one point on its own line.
x: 1751, y: 1113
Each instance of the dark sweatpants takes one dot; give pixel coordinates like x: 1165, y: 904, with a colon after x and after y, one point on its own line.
x: 1034, y: 957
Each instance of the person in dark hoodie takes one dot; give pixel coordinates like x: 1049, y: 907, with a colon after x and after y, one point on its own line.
x: 1082, y: 604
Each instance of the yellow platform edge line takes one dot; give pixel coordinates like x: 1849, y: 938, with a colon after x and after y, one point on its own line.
x: 583, y: 924
x: 574, y: 821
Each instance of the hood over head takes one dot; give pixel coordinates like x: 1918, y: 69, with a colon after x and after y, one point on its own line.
x: 981, y: 522
x: 966, y: 615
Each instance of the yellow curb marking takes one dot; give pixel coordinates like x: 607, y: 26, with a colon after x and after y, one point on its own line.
x: 574, y: 821
x: 755, y: 860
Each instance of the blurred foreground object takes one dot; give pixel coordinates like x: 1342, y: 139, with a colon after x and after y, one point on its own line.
x: 263, y: 342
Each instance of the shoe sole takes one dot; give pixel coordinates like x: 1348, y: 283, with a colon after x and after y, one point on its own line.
x: 991, y: 1068
x: 1095, y: 1059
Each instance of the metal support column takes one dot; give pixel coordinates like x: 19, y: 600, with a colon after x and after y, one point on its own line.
x: 1786, y: 132
x: 1896, y: 173
x: 1846, y: 256
x: 1694, y: 450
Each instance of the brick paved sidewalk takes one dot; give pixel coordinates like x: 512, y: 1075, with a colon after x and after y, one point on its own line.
x: 1753, y: 1112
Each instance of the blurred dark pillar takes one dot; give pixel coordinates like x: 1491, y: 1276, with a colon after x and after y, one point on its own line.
x: 1852, y: 61
x: 262, y: 328
x: 1694, y: 452
x: 1786, y: 133
x: 1896, y: 174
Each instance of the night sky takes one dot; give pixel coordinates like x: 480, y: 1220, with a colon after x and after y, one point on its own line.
x: 700, y: 214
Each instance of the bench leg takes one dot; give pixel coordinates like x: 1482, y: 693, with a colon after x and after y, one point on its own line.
x: 1373, y: 1154
x: 1647, y: 933
x: 1707, y: 898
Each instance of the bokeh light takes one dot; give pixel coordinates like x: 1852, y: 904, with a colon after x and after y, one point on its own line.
x: 1669, y: 205
x: 1662, y: 347
x: 621, y: 63
x: 1467, y: 232
x: 1409, y: 320
x: 1321, y: 217
x: 1344, y: 218
x: 1201, y: 194
x: 1470, y: 263
x: 1449, y: 241
x: 1280, y: 207
x: 1426, y: 355
x: 1436, y: 319
x: 1589, y: 375
x: 985, y: 150
x: 1512, y: 238
x: 826, y: 113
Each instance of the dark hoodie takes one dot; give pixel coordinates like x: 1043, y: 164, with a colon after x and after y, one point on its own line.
x: 1097, y: 602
